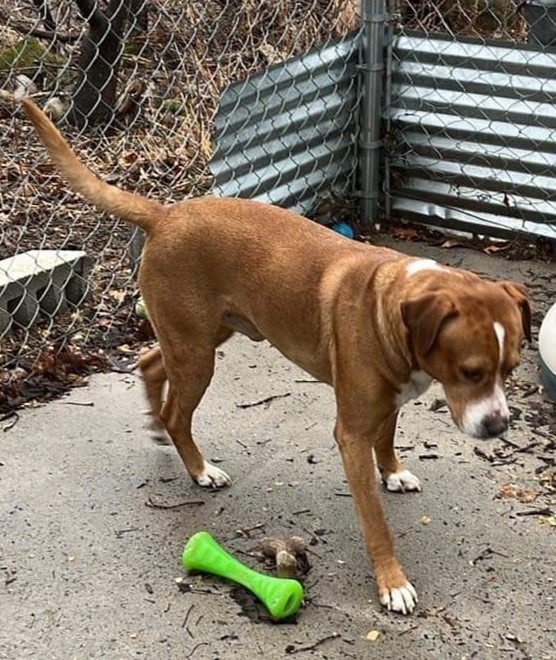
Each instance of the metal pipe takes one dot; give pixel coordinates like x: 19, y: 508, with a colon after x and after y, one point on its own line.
x: 370, y: 142
x: 387, y: 104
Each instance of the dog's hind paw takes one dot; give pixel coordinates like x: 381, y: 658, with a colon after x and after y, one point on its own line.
x: 401, y: 599
x: 161, y: 438
x: 213, y: 477
x: 400, y: 482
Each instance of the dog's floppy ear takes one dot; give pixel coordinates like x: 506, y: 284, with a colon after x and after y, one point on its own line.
x: 519, y: 293
x: 424, y: 316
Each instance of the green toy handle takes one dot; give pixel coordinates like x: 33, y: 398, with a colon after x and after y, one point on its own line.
x: 282, y: 597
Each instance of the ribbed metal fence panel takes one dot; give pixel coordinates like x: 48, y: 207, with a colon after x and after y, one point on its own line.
x: 288, y: 135
x: 472, y: 134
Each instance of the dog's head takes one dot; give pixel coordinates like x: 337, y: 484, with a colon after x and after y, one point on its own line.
x: 468, y: 337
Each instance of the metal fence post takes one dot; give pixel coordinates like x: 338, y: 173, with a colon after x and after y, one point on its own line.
x: 371, y: 113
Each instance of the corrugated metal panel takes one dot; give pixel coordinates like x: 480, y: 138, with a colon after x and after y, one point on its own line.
x: 473, y: 135
x: 288, y: 135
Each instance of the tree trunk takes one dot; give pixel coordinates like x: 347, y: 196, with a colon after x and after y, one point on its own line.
x: 45, y: 15
x: 94, y: 96
x: 139, y: 17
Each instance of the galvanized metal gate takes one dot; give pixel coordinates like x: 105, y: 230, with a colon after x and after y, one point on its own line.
x: 463, y: 135
x: 472, y: 135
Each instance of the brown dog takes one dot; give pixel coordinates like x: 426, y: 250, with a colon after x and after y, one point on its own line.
x: 376, y: 325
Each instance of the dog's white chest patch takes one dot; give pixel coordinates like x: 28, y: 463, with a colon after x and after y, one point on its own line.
x: 418, y: 382
x: 418, y: 265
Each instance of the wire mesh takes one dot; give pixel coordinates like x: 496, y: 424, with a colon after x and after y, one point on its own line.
x: 470, y: 115
x: 134, y: 85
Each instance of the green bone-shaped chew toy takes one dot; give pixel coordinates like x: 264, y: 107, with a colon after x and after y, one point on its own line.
x: 282, y: 597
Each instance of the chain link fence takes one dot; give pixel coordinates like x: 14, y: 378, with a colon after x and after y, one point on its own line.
x: 134, y: 85
x: 471, y: 125
x: 465, y: 89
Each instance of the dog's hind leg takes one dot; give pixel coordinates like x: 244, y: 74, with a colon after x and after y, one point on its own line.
x: 190, y: 371
x: 154, y: 378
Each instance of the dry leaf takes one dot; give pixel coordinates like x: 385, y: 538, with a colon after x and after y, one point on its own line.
x: 434, y: 611
x: 425, y: 520
x: 451, y: 243
x: 527, y: 495
x: 372, y: 636
x: 548, y: 520
x: 493, y: 249
x: 405, y: 234
x: 510, y: 491
x: 125, y: 348
x: 117, y: 295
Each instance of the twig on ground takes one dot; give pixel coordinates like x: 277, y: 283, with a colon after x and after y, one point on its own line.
x: 261, y: 402
x: 162, y: 505
x: 245, y: 531
x: 184, y: 624
x: 190, y: 654
x: 14, y: 420
x: 547, y: 511
x: 291, y: 649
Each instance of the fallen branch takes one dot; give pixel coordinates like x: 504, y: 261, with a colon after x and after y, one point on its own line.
x: 62, y: 37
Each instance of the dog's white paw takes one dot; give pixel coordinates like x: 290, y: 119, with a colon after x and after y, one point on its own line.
x: 402, y: 481
x: 213, y: 477
x: 402, y: 599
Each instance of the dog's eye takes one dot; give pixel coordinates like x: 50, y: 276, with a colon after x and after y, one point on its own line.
x: 472, y: 375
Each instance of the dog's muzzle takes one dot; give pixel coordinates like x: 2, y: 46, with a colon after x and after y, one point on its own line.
x: 494, y: 425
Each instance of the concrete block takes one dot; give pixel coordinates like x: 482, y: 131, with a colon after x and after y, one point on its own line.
x: 41, y: 281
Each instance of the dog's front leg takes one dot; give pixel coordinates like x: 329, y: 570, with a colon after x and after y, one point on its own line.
x: 356, y: 448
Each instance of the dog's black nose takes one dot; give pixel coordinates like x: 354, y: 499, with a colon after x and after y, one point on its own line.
x: 494, y: 426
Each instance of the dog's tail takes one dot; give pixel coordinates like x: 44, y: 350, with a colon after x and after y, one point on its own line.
x: 124, y: 205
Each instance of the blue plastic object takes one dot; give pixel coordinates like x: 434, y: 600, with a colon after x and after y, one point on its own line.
x: 344, y: 229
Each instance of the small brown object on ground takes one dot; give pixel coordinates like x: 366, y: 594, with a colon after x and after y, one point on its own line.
x: 289, y: 555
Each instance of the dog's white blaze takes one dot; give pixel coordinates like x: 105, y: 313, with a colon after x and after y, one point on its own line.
x: 496, y: 403
x: 419, y: 382
x: 419, y: 265
x: 500, y: 335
